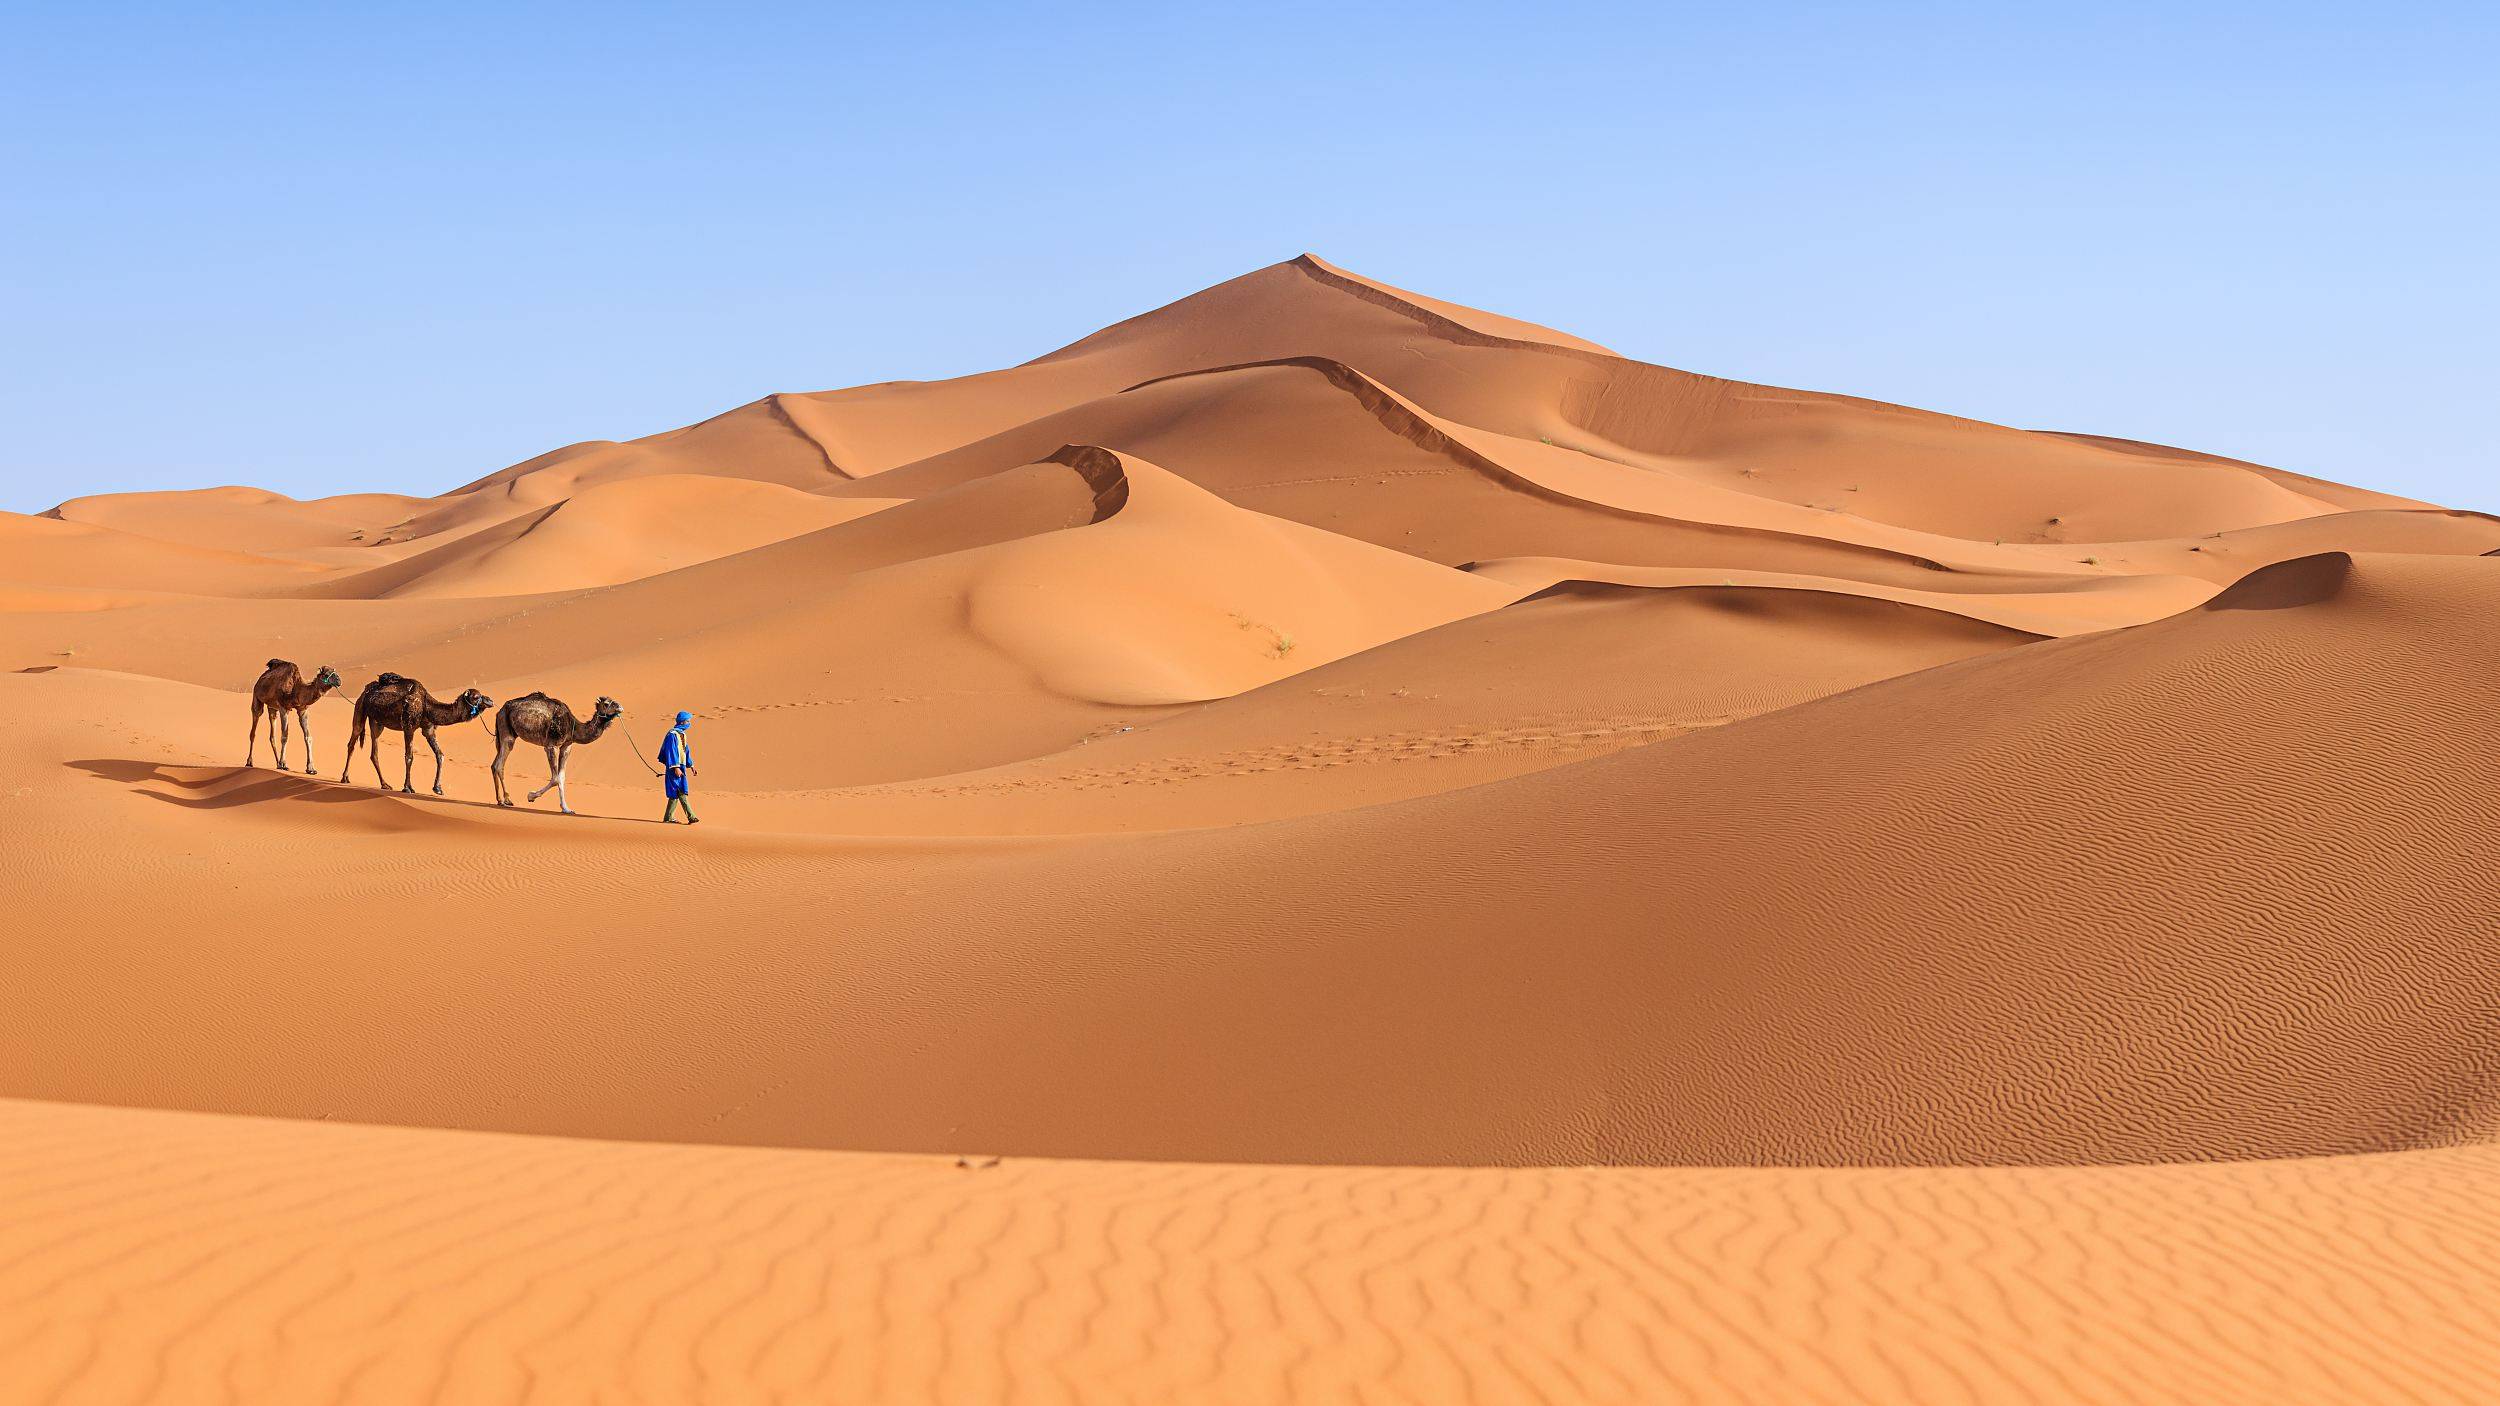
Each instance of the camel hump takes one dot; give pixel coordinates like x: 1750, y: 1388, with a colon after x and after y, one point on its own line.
x: 528, y: 696
x: 388, y: 677
x: 280, y: 664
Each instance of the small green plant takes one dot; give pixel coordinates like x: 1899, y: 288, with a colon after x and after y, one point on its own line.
x: 1284, y: 642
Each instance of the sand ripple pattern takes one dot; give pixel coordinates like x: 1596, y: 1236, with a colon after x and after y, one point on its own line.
x: 181, y: 1258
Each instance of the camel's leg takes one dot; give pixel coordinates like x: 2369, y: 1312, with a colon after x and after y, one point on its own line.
x: 503, y: 750
x: 303, y: 720
x: 438, y: 759
x: 278, y: 735
x: 408, y: 762
x: 564, y: 758
x: 551, y: 775
x: 375, y: 756
x: 253, y: 739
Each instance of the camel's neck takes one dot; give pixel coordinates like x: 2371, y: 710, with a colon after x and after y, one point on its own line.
x: 440, y: 713
x: 592, y: 730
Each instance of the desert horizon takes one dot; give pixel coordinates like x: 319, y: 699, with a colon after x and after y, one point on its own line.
x: 1316, y: 843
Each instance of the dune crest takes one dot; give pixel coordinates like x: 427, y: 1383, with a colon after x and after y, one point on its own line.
x: 625, y: 530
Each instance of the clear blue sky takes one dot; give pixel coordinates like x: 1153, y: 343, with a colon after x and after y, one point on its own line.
x: 323, y: 248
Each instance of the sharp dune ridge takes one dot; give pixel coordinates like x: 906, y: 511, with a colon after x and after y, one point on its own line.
x: 1316, y: 843
x: 1403, y: 419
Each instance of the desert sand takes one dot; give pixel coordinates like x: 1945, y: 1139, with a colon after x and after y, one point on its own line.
x: 1315, y: 844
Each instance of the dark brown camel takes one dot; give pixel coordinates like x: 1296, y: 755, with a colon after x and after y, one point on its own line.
x: 403, y: 705
x: 281, y: 690
x: 549, y: 723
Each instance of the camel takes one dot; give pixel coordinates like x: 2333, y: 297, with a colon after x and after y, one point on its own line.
x: 549, y: 723
x: 403, y: 705
x: 281, y: 690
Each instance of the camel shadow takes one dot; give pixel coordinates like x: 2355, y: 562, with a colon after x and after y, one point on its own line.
x: 226, y: 787
x: 218, y: 788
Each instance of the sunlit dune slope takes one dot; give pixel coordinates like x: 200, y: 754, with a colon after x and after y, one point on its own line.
x: 1179, y: 597
x: 239, y: 519
x: 612, y: 533
x: 1578, y: 671
x: 43, y: 551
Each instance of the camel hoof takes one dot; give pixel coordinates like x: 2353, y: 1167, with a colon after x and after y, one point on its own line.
x: 438, y: 790
x: 308, y: 771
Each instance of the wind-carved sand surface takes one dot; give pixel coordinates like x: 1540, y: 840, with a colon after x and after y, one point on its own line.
x: 1316, y: 844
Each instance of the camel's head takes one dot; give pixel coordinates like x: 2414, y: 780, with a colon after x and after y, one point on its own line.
x: 472, y: 703
x: 328, y: 678
x: 608, y: 710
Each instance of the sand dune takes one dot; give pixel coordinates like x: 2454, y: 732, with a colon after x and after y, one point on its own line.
x: 627, y: 530
x: 1179, y: 597
x: 1797, y: 938
x: 1389, y: 474
x: 1786, y: 449
x: 1567, y: 879
x: 238, y: 519
x: 2227, y: 556
x: 44, y: 552
x: 1577, y: 671
x: 2060, y: 606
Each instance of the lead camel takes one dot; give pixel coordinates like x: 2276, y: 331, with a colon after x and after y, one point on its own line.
x: 281, y: 690
x: 549, y: 723
x: 403, y: 705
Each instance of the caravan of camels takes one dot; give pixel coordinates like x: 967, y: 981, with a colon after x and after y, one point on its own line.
x: 396, y: 703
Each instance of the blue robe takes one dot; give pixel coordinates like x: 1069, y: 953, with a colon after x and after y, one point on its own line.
x: 676, y: 755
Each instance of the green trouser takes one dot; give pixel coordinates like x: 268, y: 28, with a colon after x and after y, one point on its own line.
x: 669, y: 814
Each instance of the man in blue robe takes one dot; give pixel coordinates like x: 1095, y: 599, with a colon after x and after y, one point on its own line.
x: 677, y: 755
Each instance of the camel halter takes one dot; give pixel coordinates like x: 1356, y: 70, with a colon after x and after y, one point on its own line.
x: 637, y: 744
